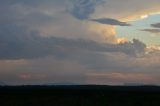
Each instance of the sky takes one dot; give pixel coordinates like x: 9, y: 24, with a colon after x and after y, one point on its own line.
x: 111, y: 42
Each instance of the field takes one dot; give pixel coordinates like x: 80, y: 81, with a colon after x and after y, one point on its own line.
x: 79, y: 96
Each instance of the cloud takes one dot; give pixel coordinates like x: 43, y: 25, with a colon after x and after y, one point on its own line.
x: 19, y: 41
x: 24, y: 45
x: 49, y: 18
x: 154, y: 31
x: 82, y: 9
x: 81, y: 67
x: 71, y: 60
x: 110, y: 21
x: 157, y: 25
x: 55, y: 18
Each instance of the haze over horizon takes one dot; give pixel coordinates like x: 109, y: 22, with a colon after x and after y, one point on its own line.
x: 80, y: 41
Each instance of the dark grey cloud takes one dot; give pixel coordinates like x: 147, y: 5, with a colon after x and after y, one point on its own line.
x: 82, y: 9
x: 16, y: 39
x: 156, y: 25
x: 16, y: 43
x: 154, y: 31
x: 110, y: 21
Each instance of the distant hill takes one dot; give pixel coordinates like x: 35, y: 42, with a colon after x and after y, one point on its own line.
x: 138, y: 84
x: 61, y: 83
x: 2, y: 83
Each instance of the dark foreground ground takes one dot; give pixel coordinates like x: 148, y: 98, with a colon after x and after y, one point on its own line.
x: 79, y: 96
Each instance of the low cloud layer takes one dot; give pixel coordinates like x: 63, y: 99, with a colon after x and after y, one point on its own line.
x: 28, y: 46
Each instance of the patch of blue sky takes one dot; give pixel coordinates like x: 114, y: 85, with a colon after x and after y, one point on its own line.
x: 134, y: 31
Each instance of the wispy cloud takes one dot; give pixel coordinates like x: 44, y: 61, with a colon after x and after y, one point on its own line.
x: 156, y: 25
x: 154, y: 31
x: 111, y: 21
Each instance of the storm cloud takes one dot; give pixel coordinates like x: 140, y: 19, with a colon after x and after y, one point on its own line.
x: 33, y: 46
x: 47, y: 41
